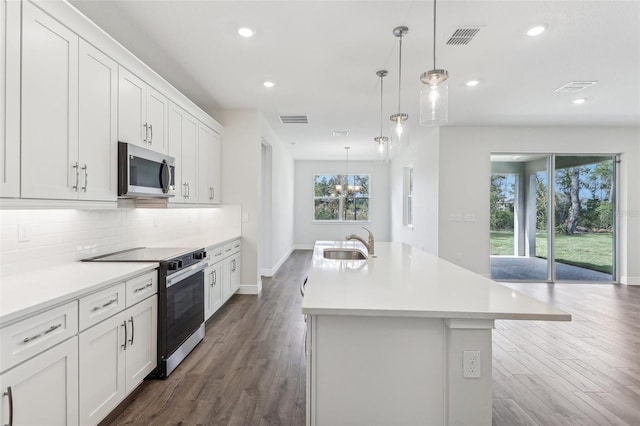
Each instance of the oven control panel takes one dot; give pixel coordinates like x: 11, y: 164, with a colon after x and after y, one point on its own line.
x: 186, y: 260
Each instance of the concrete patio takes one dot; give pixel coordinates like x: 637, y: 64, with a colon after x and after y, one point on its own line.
x: 513, y: 268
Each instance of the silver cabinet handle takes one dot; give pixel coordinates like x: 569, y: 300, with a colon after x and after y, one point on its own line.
x: 132, y: 331
x: 124, y: 345
x: 110, y: 302
x: 77, y: 167
x: 215, y: 277
x: 47, y: 331
x: 86, y: 178
x: 151, y: 131
x: 9, y: 394
x: 184, y: 190
x: 188, y: 190
x: 146, y: 133
x: 143, y: 288
x: 234, y: 265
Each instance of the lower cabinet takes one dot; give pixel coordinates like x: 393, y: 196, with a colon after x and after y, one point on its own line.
x: 230, y: 275
x: 212, y: 289
x: 43, y: 390
x: 115, y: 356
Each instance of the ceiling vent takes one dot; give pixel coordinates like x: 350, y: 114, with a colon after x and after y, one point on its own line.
x: 575, y: 86
x: 293, y: 119
x: 340, y: 133
x: 463, y: 36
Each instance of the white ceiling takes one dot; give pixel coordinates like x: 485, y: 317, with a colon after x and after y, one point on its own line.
x: 323, y: 56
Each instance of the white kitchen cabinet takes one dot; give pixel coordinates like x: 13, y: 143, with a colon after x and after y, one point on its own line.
x: 208, y: 165
x: 142, y: 113
x: 98, y: 125
x: 49, y: 107
x: 43, y: 390
x: 212, y: 289
x: 183, y: 139
x: 142, y: 351
x: 230, y: 276
x: 115, y: 356
x: 102, y: 368
x: 69, y: 114
x: 10, y: 96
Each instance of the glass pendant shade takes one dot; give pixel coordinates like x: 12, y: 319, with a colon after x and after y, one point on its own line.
x: 434, y: 104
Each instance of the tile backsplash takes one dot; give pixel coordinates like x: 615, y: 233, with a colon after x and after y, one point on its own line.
x: 31, y: 239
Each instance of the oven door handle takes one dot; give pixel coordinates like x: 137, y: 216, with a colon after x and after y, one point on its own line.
x: 185, y: 273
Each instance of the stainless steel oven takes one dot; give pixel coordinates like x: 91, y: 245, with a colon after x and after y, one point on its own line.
x: 180, y: 299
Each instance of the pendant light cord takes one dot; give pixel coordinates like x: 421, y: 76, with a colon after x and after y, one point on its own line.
x: 434, y: 34
x: 399, y: 75
x: 381, y: 85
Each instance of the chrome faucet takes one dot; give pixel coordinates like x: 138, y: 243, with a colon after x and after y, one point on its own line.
x: 368, y: 244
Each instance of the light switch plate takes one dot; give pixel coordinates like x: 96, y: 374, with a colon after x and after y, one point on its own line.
x: 23, y: 233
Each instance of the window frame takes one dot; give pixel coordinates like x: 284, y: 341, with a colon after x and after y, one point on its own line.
x: 408, y: 196
x: 341, y: 207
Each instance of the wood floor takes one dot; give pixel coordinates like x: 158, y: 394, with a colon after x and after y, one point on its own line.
x: 250, y: 369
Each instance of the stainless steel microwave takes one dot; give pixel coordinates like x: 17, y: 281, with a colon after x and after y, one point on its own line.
x: 144, y: 173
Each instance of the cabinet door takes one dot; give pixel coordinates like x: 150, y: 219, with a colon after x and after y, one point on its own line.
x: 208, y: 155
x: 98, y: 121
x: 44, y: 389
x: 10, y: 96
x: 226, y: 279
x: 215, y: 169
x: 157, y: 107
x: 142, y: 345
x: 131, y: 108
x: 235, y: 273
x: 183, y: 136
x: 212, y: 290
x: 102, y: 368
x: 49, y: 107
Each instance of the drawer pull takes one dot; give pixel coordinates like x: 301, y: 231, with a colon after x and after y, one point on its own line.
x: 143, y: 288
x: 110, y: 302
x: 47, y: 331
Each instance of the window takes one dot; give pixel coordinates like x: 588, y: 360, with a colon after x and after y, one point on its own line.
x: 330, y: 203
x: 407, y: 217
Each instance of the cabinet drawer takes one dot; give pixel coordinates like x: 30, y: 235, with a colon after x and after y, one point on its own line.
x: 33, y: 335
x: 101, y: 305
x: 232, y: 248
x: 141, y: 287
x: 215, y: 254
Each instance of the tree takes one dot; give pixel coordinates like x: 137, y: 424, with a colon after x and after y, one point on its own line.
x: 574, y: 194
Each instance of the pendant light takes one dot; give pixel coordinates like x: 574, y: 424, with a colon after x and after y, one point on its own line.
x: 343, y: 188
x: 399, y: 128
x: 434, y: 96
x: 382, y: 141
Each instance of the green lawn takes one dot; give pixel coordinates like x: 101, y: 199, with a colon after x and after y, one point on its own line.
x: 591, y: 251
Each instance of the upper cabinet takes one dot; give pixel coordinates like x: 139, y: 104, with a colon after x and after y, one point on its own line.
x: 142, y: 113
x: 69, y: 113
x: 10, y: 96
x: 50, y: 167
x: 183, y: 139
x: 208, y: 165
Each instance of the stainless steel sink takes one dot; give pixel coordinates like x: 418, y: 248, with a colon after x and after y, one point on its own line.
x: 344, y: 254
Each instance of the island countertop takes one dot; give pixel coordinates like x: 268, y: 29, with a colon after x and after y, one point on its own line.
x: 400, y: 280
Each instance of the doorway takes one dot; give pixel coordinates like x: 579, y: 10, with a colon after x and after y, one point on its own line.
x: 569, y: 239
x: 266, y: 208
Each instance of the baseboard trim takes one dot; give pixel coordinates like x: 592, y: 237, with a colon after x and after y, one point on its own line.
x: 271, y: 272
x: 303, y: 247
x: 250, y: 288
x: 630, y: 280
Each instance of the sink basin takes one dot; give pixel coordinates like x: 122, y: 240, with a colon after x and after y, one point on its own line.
x: 343, y: 254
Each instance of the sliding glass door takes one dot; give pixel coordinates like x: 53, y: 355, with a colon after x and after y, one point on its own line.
x: 558, y: 207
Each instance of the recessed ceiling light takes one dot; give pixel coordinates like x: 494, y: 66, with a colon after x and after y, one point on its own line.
x: 472, y: 83
x: 537, y: 30
x: 246, y: 32
x: 579, y: 101
x: 268, y: 84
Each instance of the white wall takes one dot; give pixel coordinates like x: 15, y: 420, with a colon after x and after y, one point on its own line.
x: 280, y: 244
x: 241, y: 182
x: 422, y: 155
x: 464, y: 185
x: 307, y: 231
x: 60, y: 236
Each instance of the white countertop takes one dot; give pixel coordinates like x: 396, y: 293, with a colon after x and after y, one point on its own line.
x: 402, y: 281
x: 25, y: 294
x: 30, y: 292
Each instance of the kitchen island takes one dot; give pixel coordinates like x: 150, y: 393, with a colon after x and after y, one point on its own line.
x: 403, y: 338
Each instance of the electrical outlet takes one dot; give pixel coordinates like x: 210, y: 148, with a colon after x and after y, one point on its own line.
x: 471, y: 364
